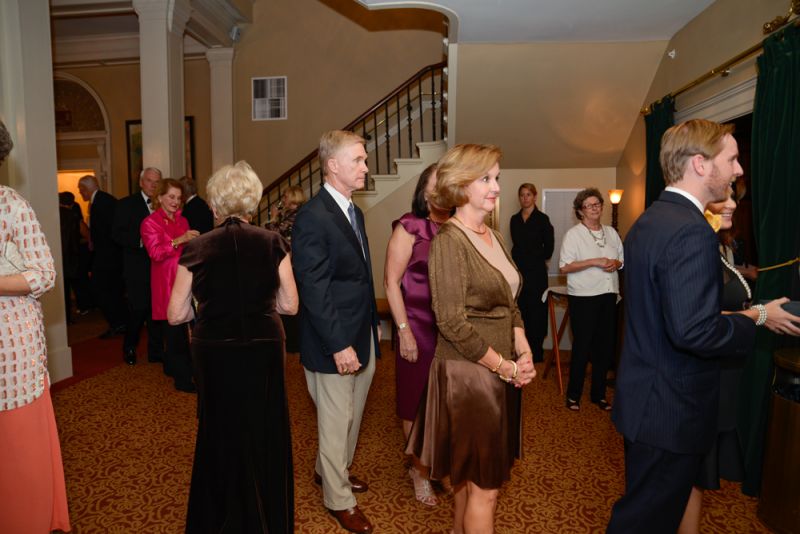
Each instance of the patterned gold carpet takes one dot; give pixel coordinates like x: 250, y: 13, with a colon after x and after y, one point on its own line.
x: 128, y: 442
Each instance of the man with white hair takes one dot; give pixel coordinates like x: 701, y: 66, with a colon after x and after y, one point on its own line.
x: 131, y: 211
x: 106, y: 283
x: 338, y: 319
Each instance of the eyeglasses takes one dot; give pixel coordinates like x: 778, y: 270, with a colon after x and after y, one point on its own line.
x: 595, y: 206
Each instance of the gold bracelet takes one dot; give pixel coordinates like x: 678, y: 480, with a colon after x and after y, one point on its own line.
x: 509, y: 379
x: 499, y: 364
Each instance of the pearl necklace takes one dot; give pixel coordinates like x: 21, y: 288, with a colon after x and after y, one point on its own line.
x: 599, y: 241
x: 738, y: 275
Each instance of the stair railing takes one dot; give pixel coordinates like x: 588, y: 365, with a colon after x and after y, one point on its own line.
x: 414, y: 112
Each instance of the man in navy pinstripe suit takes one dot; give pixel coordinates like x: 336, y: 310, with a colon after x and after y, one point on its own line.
x: 668, y: 380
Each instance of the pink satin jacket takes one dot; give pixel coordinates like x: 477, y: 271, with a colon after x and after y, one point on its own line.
x: 157, y: 232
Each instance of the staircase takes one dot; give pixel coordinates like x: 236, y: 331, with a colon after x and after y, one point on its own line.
x: 405, y: 132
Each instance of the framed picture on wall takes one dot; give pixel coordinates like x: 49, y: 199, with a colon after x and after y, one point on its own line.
x: 133, y: 140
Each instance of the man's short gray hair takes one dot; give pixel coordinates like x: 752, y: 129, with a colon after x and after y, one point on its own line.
x: 151, y: 169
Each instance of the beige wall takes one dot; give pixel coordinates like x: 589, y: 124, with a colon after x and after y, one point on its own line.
x: 378, y: 220
x: 553, y: 105
x: 725, y: 29
x: 601, y: 178
x: 339, y: 59
x: 378, y: 223
x: 118, y: 88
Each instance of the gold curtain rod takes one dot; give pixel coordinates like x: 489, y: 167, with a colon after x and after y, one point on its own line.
x: 713, y: 72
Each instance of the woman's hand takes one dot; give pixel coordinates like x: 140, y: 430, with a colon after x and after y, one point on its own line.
x: 408, y: 345
x: 185, y: 238
x: 525, y: 370
x: 779, y: 320
x: 608, y: 265
x: 611, y: 265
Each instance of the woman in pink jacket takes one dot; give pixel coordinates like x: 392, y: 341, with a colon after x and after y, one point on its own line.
x: 164, y: 233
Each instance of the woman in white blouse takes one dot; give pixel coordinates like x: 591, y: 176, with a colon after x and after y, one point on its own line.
x: 591, y: 255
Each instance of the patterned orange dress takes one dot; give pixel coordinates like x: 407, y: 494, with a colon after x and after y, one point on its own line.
x: 33, y: 496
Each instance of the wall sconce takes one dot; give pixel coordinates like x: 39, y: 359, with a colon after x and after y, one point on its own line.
x: 615, y: 195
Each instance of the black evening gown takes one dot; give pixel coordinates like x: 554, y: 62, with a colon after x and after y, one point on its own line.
x: 725, y: 459
x: 242, y: 478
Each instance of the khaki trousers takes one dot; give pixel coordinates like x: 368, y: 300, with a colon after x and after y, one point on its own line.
x: 340, y: 401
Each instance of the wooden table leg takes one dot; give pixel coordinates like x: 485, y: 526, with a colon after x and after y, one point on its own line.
x: 557, y: 332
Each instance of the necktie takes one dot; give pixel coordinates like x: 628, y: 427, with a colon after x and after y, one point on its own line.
x: 150, y: 204
x: 351, y: 212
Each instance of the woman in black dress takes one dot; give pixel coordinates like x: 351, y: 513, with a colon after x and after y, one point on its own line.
x: 241, y: 277
x: 532, y: 239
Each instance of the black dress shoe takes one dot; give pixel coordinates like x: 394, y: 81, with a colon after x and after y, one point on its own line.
x: 356, y: 485
x: 186, y: 388
x: 129, y: 355
x: 113, y: 331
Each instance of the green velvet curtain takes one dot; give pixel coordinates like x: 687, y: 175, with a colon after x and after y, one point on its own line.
x: 661, y: 117
x: 775, y: 179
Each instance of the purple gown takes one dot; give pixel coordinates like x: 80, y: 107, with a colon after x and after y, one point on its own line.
x: 411, y: 378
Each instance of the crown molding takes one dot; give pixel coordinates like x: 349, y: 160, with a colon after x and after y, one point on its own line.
x: 97, y: 50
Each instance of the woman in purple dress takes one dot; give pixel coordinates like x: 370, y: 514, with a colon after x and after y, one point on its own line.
x: 409, y: 296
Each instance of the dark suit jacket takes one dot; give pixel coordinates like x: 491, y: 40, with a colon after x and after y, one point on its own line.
x: 131, y: 211
x: 668, y: 380
x: 335, y: 284
x: 199, y: 215
x: 101, y: 216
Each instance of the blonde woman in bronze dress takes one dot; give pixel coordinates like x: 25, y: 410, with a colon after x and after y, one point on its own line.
x: 468, y: 426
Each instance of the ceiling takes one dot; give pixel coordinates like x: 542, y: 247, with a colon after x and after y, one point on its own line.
x: 89, y: 32
x: 104, y: 32
x: 520, y: 21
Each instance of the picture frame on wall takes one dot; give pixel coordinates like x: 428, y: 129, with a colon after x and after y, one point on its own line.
x: 133, y: 140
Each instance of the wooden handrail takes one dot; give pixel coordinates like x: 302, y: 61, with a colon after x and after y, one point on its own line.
x: 394, y: 93
x: 313, y: 154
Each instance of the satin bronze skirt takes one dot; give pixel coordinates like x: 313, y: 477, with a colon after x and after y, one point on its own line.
x: 468, y: 425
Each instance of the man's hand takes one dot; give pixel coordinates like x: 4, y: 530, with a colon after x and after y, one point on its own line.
x: 347, y: 361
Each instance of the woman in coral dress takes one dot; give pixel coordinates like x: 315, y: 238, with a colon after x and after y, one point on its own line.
x: 33, y: 496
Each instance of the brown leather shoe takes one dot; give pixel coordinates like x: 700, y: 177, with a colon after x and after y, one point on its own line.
x: 352, y: 520
x: 356, y: 485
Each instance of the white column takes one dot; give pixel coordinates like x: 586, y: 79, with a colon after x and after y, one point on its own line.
x: 26, y: 107
x: 161, y: 27
x: 220, y: 61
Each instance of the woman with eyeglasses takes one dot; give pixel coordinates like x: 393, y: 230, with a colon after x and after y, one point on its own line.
x: 591, y: 255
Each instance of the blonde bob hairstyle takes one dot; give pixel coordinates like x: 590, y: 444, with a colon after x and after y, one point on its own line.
x: 295, y: 196
x: 691, y: 138
x: 459, y: 167
x: 234, y: 191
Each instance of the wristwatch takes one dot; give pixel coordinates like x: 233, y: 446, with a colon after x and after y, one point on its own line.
x: 402, y: 326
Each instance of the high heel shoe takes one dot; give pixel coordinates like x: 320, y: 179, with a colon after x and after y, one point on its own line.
x: 423, y: 491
